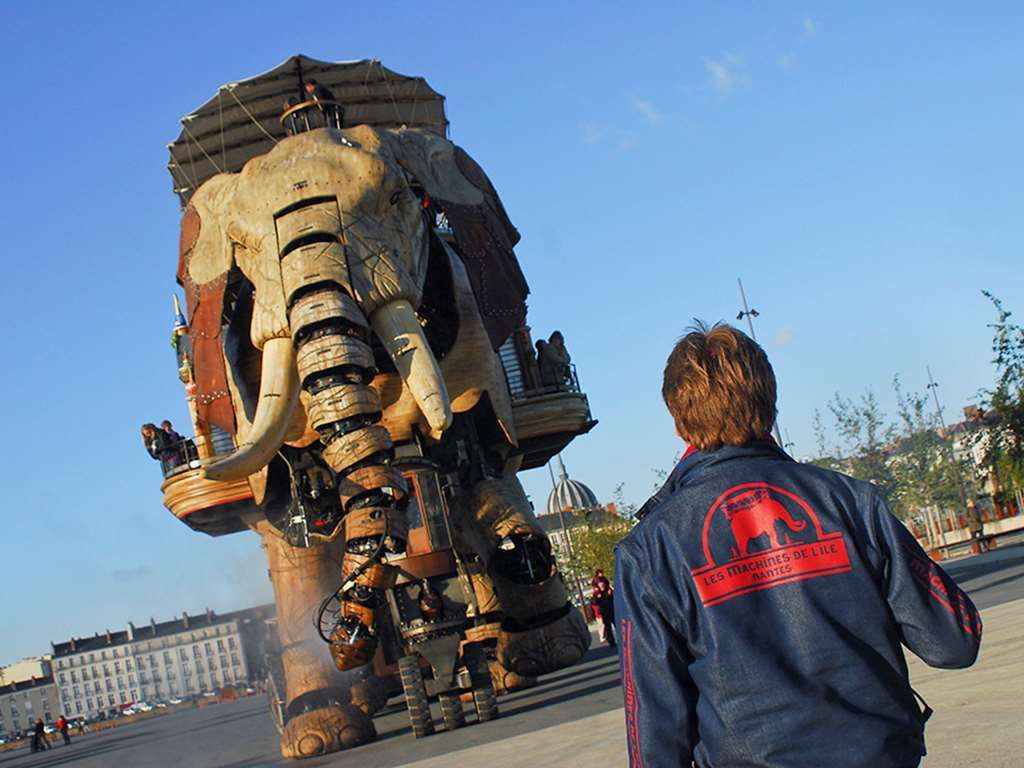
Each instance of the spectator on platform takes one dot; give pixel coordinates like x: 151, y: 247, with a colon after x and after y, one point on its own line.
x: 62, y: 726
x: 603, y: 600
x: 553, y: 359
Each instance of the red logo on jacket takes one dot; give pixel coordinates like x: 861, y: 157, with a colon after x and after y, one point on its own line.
x: 758, y: 536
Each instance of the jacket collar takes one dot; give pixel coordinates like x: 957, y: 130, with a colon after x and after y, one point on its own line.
x: 694, y: 463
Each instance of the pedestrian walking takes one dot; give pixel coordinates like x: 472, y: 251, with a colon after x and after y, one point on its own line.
x: 762, y: 602
x: 39, y: 740
x: 603, y: 600
x: 62, y: 726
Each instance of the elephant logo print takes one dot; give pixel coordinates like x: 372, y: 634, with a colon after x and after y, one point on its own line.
x: 754, y: 514
x: 758, y: 536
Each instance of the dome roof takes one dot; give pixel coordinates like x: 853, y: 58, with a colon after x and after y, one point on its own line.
x: 570, y: 495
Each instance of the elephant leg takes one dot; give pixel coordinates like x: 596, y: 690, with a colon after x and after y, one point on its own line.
x: 336, y: 365
x: 541, y: 631
x: 319, y: 716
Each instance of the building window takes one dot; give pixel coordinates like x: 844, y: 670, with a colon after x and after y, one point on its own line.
x: 106, y: 670
x: 181, y: 654
x: 120, y: 682
x: 199, y: 666
x: 167, y: 657
x: 77, y: 692
x: 117, y: 667
x: 61, y: 679
x: 109, y: 686
x: 209, y: 650
x: 64, y: 694
x: 195, y: 651
x: 88, y: 704
x: 231, y: 643
x: 110, y: 700
x: 223, y: 661
x: 124, y: 699
x: 220, y: 645
x: 234, y: 659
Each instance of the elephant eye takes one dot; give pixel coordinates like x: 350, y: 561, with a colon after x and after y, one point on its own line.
x: 396, y: 195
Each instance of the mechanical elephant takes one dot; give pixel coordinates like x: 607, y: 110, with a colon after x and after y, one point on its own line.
x: 341, y: 341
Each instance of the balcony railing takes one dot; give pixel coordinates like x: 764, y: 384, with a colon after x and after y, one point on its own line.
x: 192, y: 452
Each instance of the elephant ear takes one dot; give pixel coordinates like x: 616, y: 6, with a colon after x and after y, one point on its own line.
x: 484, y: 236
x: 204, y: 261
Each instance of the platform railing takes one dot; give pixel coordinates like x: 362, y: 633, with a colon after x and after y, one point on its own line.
x: 191, y: 453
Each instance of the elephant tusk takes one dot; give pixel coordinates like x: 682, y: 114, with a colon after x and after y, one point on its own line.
x: 399, y: 330
x: 279, y: 391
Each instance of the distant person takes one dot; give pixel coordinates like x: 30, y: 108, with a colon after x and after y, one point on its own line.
x: 160, y: 447
x: 81, y: 727
x: 762, y: 603
x: 603, y: 600
x: 62, y: 726
x: 184, y: 448
x: 976, y: 527
x: 553, y: 359
x: 598, y: 576
x: 332, y: 111
x: 39, y: 740
x: 154, y: 440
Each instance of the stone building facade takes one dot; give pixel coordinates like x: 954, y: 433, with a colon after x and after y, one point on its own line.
x: 21, y: 704
x: 156, y: 662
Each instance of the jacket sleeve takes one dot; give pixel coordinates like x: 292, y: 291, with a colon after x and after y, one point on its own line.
x: 937, y: 620
x: 660, y: 698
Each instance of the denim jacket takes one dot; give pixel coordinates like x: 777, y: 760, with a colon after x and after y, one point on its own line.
x: 762, y: 604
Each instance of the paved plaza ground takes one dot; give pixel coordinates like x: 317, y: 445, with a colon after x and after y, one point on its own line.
x: 574, y: 718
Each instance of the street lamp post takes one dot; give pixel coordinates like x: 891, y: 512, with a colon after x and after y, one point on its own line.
x: 934, y: 387
x: 749, y: 313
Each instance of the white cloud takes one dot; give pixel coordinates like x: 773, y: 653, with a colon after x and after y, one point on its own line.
x: 725, y: 74
x: 647, y: 111
x: 784, y: 336
x: 810, y: 27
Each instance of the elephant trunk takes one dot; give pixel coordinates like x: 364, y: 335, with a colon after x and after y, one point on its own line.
x: 336, y: 366
x: 278, y: 394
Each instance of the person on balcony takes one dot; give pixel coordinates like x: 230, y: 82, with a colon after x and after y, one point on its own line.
x: 553, y: 359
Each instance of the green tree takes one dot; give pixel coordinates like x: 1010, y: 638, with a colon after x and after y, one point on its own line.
x: 909, y: 460
x: 922, y: 461
x: 593, y: 541
x: 1003, y: 442
x: 864, y: 440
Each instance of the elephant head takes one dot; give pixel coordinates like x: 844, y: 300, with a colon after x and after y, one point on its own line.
x: 333, y: 240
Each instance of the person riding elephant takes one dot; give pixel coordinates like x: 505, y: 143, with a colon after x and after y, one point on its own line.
x: 554, y: 359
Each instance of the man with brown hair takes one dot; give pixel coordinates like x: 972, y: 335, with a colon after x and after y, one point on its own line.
x: 762, y: 602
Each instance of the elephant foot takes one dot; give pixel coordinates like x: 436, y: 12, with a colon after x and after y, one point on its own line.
x: 371, y: 694
x: 556, y: 644
x: 505, y: 681
x: 322, y: 731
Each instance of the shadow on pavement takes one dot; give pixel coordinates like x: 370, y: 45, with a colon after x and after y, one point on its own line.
x: 70, y: 754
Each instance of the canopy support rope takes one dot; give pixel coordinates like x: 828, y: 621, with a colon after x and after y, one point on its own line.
x: 206, y: 154
x: 250, y: 115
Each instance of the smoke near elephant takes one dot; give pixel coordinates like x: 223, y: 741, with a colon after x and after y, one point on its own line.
x: 348, y: 292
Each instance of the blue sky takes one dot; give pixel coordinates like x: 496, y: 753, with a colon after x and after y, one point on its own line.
x: 859, y: 168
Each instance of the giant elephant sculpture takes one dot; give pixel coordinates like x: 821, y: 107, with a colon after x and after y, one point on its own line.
x: 332, y: 331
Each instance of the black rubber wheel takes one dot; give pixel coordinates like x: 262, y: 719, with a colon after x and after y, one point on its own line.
x: 415, y: 696
x: 485, y: 701
x: 451, y: 710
